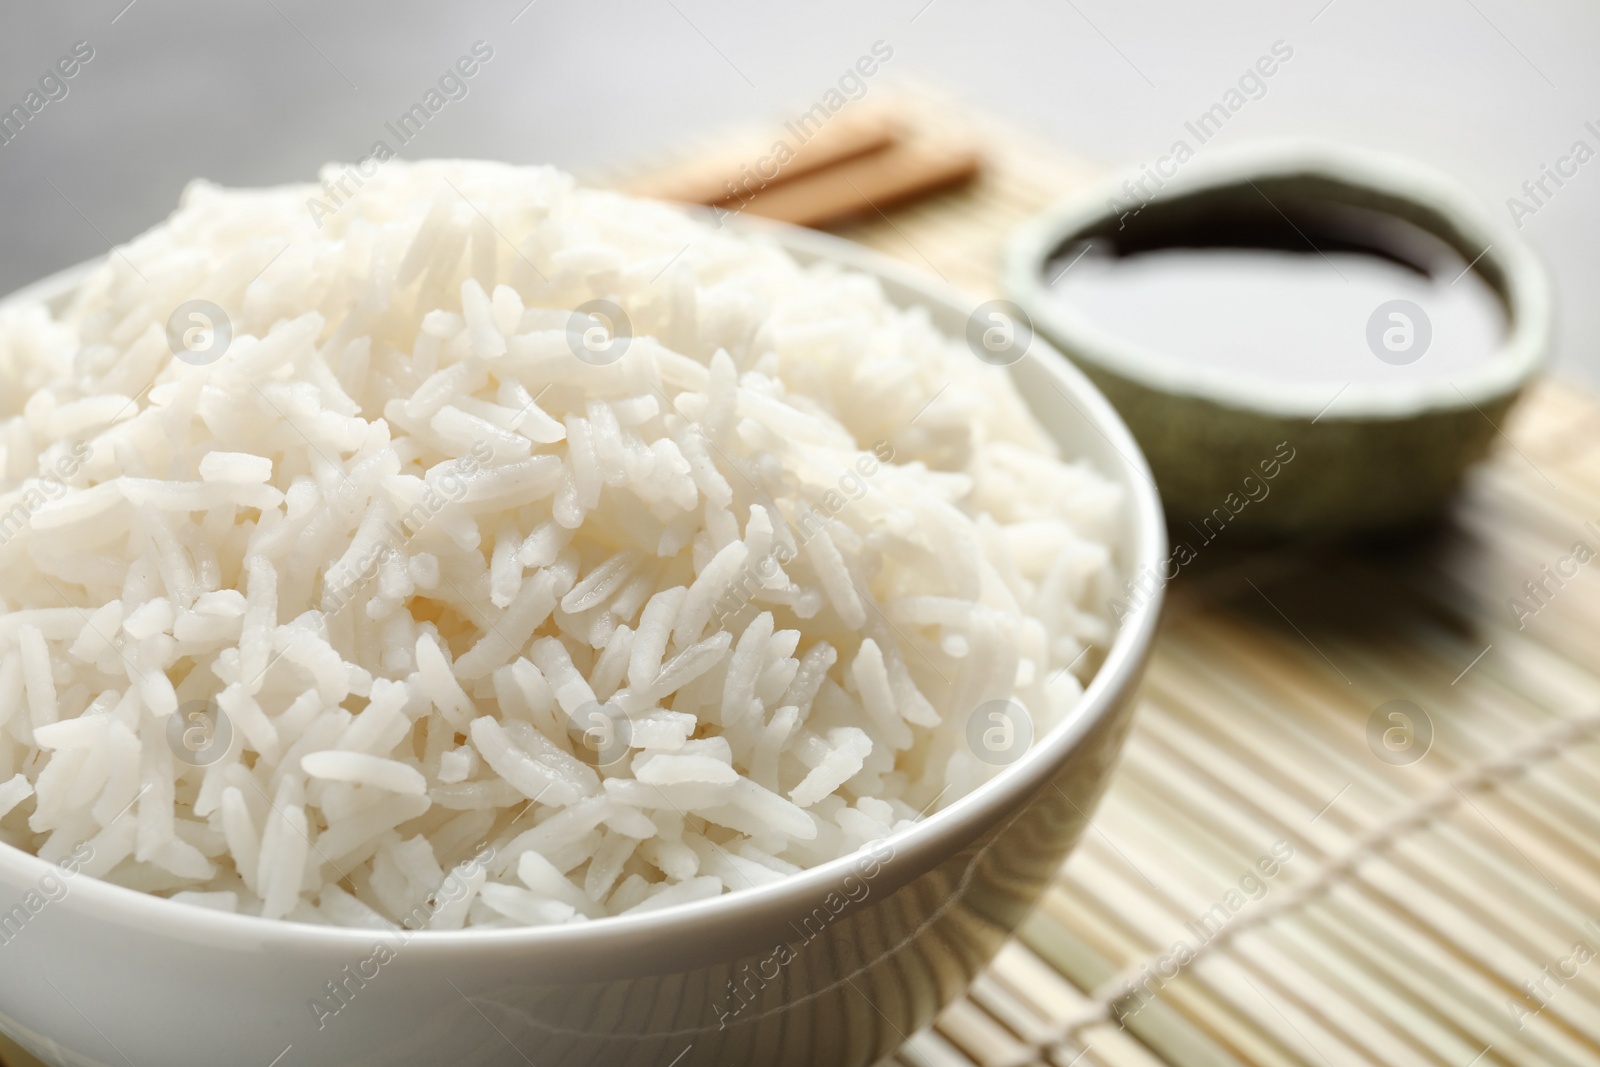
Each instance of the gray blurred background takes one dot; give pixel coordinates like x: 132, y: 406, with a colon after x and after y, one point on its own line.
x: 264, y: 91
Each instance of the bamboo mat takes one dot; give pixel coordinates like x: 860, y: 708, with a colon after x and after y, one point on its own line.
x: 1418, y: 898
x: 1420, y: 894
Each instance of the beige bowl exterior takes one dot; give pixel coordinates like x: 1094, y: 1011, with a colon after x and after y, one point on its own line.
x: 834, y: 966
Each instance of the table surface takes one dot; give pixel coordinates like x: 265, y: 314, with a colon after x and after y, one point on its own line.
x: 1417, y: 898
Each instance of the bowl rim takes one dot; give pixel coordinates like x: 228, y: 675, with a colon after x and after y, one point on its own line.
x: 962, y: 820
x: 1526, y: 297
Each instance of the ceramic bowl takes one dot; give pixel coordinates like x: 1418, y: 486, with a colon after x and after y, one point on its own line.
x: 832, y: 966
x: 1367, y: 456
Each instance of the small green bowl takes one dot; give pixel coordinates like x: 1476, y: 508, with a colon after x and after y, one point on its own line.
x: 1371, y: 456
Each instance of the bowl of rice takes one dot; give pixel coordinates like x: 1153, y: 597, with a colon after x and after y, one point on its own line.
x: 448, y: 615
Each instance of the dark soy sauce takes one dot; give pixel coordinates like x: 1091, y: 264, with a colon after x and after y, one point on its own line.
x: 1285, y: 291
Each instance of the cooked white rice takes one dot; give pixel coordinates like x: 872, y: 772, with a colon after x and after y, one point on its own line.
x: 393, y: 553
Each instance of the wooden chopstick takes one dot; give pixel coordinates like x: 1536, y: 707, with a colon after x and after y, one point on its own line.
x: 865, y: 185
x: 758, y: 163
x: 859, y: 164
